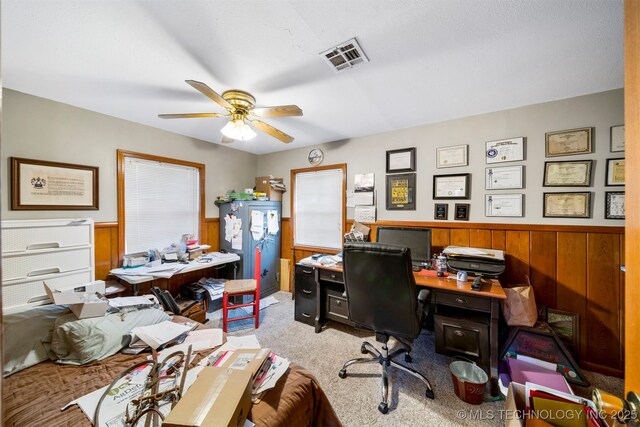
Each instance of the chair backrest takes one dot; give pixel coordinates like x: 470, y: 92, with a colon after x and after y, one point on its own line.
x: 257, y: 270
x: 381, y: 289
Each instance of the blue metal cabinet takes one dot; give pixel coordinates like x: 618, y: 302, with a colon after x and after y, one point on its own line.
x: 269, y: 243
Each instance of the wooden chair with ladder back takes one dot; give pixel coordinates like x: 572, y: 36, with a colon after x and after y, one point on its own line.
x: 241, y: 288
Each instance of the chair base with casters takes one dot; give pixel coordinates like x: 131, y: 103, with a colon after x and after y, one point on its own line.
x: 241, y: 288
x: 382, y: 297
x: 385, y: 359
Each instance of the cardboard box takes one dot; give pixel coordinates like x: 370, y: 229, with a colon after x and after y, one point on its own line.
x: 75, y: 297
x: 219, y: 397
x: 515, y: 405
x: 285, y: 274
x: 245, y: 359
x: 263, y: 185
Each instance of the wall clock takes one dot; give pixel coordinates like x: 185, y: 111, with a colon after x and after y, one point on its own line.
x: 315, y: 156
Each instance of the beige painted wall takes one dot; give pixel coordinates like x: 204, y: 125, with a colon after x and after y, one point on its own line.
x: 368, y: 154
x: 37, y: 128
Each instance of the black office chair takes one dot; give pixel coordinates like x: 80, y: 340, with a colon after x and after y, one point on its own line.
x: 382, y: 297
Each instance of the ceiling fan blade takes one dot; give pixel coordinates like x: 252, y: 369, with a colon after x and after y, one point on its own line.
x: 268, y: 129
x: 226, y: 139
x: 279, y: 111
x: 207, y: 91
x: 189, y: 115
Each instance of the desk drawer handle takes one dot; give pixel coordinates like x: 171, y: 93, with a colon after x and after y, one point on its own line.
x: 333, y: 276
x: 307, y: 271
x: 339, y: 303
x: 307, y: 292
x: 461, y: 300
x: 306, y: 315
x: 459, y: 333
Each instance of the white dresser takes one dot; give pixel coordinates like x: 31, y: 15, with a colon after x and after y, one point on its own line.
x: 58, y: 251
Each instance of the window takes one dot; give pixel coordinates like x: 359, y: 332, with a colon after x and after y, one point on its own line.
x: 318, y: 209
x: 159, y: 200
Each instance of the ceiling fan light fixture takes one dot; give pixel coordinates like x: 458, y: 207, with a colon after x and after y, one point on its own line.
x: 238, y: 129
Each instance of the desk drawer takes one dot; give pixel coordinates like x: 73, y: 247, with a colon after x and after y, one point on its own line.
x: 462, y: 336
x: 305, y: 281
x: 331, y: 276
x: 305, y: 310
x: 336, y: 306
x: 461, y: 300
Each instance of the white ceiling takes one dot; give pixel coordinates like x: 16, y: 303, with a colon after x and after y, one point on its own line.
x: 429, y: 60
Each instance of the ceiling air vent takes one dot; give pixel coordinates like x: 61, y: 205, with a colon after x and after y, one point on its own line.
x: 345, y: 55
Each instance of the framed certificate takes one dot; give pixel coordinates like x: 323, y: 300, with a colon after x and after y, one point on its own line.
x: 617, y: 138
x: 451, y: 186
x: 449, y: 157
x: 503, y: 178
x: 403, y: 160
x: 504, y: 205
x: 504, y: 150
x: 441, y: 211
x: 567, y: 205
x: 615, y: 172
x: 567, y: 142
x: 401, y: 191
x: 572, y: 173
x: 44, y: 185
x: 614, y: 205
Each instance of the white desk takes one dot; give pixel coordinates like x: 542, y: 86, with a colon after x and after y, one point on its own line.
x: 135, y: 280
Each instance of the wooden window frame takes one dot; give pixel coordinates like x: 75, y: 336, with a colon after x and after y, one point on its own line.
x: 121, y: 216
x: 294, y: 172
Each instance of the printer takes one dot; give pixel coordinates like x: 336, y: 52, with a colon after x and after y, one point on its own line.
x: 478, y: 261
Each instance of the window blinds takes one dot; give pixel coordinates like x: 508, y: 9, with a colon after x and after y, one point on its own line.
x: 318, y: 202
x: 162, y: 202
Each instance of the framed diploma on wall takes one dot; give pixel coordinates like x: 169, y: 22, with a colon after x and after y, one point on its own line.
x: 449, y: 157
x: 403, y: 160
x: 572, y: 173
x: 503, y: 178
x: 615, y: 172
x: 455, y: 186
x: 567, y: 205
x: 617, y: 138
x: 614, y: 205
x: 504, y: 150
x: 568, y: 142
x: 504, y: 205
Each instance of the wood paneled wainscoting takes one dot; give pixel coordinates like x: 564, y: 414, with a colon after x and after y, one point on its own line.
x: 572, y: 268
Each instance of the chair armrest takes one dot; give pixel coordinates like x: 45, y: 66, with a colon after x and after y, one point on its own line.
x: 423, y: 296
x: 423, y: 305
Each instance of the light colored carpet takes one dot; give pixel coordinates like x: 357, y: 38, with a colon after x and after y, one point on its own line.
x: 355, y: 398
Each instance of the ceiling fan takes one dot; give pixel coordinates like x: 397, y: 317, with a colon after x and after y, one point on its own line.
x: 240, y: 106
